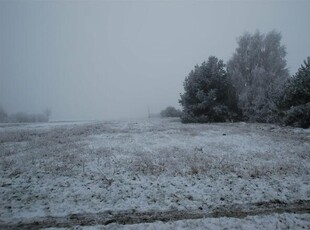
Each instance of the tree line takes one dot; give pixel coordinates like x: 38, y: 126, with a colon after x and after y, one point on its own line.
x: 253, y: 86
x: 24, y: 117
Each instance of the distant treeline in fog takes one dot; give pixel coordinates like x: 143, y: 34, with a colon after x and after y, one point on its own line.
x: 24, y: 117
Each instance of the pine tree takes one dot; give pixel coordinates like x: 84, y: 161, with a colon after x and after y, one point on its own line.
x: 295, y: 101
x: 298, y: 88
x: 209, y: 95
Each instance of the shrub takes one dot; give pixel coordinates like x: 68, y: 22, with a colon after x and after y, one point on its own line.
x: 170, y: 111
x: 298, y: 116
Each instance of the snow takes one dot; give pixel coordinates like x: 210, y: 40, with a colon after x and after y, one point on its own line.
x: 58, y: 169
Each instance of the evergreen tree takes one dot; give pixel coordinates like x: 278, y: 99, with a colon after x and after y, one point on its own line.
x: 209, y: 95
x: 295, y: 101
x: 258, y: 70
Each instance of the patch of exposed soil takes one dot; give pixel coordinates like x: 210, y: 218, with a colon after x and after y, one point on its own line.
x: 135, y: 217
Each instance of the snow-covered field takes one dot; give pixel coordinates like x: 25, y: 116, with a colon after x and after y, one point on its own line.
x: 151, y: 165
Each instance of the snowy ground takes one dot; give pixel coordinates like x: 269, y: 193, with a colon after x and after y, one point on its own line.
x: 58, y: 169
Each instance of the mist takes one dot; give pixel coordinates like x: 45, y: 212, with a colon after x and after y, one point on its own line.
x: 101, y: 60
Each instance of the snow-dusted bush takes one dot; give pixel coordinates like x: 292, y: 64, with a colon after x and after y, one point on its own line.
x: 170, y: 111
x: 209, y: 95
x: 298, y: 116
x: 258, y: 71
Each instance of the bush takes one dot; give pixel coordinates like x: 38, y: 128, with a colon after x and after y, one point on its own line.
x: 171, y: 112
x: 209, y: 95
x: 298, y: 116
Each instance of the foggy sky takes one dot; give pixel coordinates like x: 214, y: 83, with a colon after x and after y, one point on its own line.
x: 113, y: 59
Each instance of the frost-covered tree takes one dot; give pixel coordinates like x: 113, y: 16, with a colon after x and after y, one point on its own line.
x: 258, y: 71
x: 209, y: 95
x: 295, y: 101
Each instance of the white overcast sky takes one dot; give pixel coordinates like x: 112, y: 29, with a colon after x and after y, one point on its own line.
x: 114, y: 59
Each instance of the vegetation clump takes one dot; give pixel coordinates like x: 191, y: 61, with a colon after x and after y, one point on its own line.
x: 170, y: 111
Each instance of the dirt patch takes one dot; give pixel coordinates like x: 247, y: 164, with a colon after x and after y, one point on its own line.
x: 135, y: 217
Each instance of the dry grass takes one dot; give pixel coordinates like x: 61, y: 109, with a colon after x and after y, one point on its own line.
x: 64, y: 151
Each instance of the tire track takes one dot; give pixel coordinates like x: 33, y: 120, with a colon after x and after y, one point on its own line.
x: 135, y: 217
